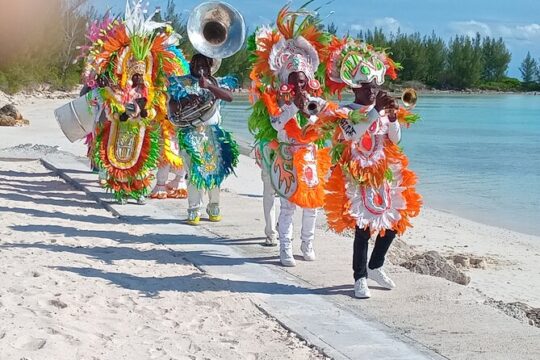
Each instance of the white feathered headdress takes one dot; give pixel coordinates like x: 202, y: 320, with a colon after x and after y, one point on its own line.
x: 293, y: 55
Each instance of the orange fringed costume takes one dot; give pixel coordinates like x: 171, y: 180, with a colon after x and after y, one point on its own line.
x: 370, y: 185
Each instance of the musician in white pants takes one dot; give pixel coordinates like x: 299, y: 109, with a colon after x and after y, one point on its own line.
x: 209, y: 152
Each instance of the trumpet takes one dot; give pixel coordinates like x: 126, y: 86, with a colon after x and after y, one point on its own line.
x: 409, y: 98
x: 310, y: 107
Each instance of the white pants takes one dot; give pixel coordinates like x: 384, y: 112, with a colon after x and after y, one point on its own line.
x: 162, y: 176
x: 179, y: 177
x: 196, y: 197
x: 269, y: 200
x: 285, y: 223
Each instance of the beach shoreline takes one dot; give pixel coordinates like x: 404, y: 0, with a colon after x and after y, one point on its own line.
x: 44, y: 92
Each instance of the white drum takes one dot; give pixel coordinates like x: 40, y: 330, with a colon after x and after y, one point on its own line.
x: 77, y: 118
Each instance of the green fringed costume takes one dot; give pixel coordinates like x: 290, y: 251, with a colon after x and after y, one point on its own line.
x: 210, y: 152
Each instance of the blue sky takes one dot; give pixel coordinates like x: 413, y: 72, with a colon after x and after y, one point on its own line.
x: 517, y: 21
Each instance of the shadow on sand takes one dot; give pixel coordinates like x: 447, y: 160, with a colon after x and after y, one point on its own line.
x: 15, y: 188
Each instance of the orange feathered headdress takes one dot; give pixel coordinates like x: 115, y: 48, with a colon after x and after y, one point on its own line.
x: 292, y: 46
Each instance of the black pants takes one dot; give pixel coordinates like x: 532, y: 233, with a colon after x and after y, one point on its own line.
x: 360, y: 251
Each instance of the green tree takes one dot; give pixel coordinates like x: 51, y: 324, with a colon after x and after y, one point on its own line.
x: 44, y: 52
x: 436, y: 54
x: 496, y: 58
x: 332, y: 28
x: 409, y: 51
x: 74, y: 20
x: 376, y: 37
x: 538, y: 72
x: 237, y: 66
x: 529, y: 69
x: 179, y: 25
x: 464, y: 62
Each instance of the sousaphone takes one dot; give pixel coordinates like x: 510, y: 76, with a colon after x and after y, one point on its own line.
x: 216, y: 30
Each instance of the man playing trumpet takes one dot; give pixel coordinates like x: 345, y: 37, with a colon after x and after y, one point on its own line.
x: 296, y: 166
x: 370, y: 189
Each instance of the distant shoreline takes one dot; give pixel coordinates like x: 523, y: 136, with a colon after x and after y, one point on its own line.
x: 45, y: 93
x: 243, y: 91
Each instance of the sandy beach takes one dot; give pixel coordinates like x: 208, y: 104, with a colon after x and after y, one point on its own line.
x: 48, y: 311
x: 80, y: 284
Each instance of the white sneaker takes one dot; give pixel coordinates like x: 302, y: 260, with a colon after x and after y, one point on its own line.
x: 361, y: 289
x: 308, y: 251
x: 141, y: 200
x: 286, y: 256
x: 380, y: 277
x: 270, y: 241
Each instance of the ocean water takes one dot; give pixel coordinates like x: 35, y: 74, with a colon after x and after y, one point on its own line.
x: 476, y: 156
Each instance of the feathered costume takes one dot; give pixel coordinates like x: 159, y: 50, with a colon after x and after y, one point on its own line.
x: 171, y: 160
x: 211, y: 151
x: 297, y: 165
x: 97, y: 30
x: 290, y: 153
x: 135, y: 135
x: 370, y: 185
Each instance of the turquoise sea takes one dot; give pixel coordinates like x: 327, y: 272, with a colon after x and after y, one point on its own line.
x: 477, y: 156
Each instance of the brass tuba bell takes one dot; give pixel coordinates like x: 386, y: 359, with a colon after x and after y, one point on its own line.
x: 216, y: 29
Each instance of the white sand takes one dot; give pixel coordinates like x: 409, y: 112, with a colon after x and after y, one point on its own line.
x: 50, y: 235
x: 513, y: 269
x: 454, y: 320
x: 513, y: 259
x: 43, y: 128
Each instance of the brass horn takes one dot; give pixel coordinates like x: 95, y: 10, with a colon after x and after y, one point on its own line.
x: 216, y: 29
x: 409, y: 98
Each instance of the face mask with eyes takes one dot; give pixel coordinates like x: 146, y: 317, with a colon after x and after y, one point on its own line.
x: 357, y: 69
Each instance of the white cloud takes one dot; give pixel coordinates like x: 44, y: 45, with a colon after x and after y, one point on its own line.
x: 528, y: 32
x: 357, y: 27
x: 388, y: 24
x: 470, y: 28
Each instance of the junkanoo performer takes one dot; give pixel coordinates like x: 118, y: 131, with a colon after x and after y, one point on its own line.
x: 135, y: 57
x: 284, y: 82
x: 210, y: 153
x: 370, y: 188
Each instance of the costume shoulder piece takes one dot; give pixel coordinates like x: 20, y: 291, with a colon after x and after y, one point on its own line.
x: 228, y: 82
